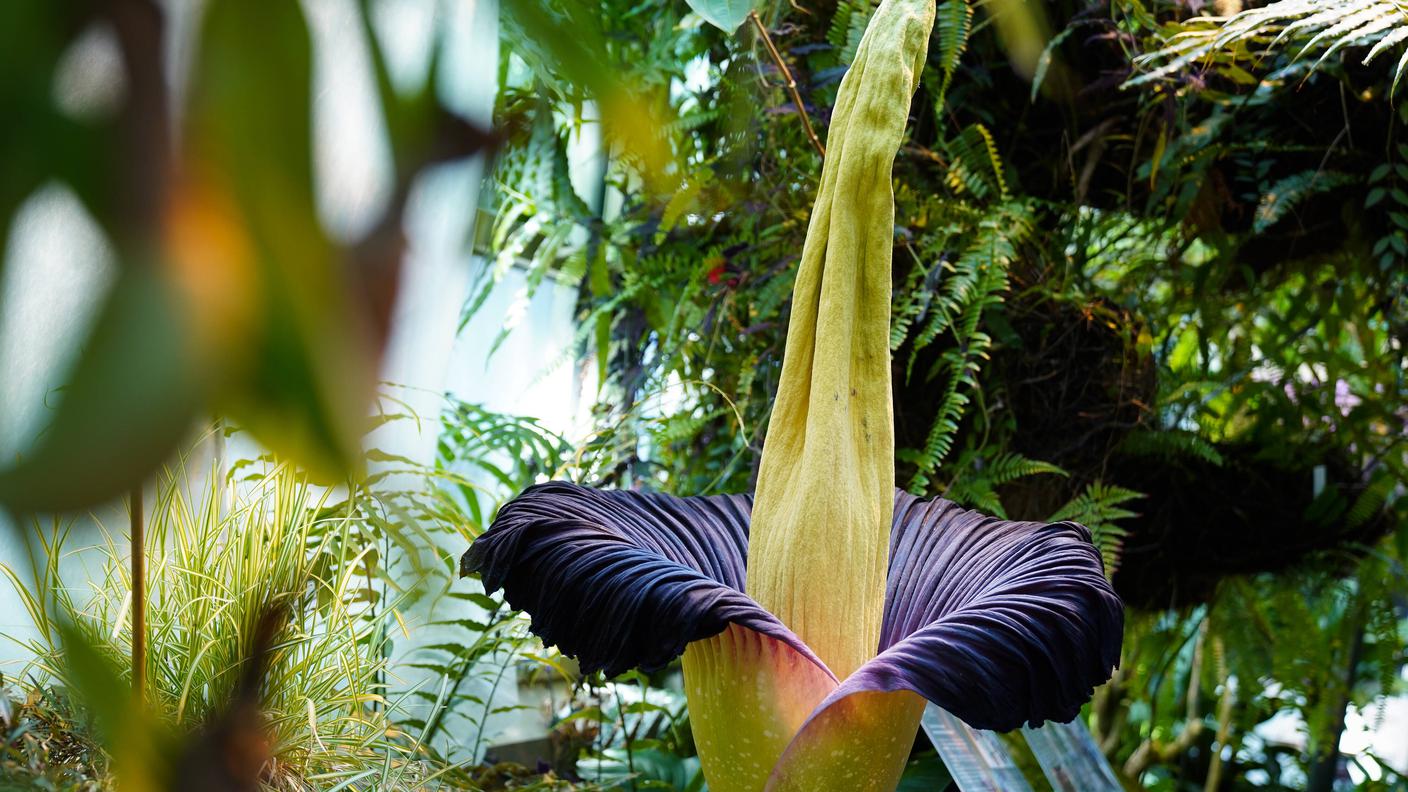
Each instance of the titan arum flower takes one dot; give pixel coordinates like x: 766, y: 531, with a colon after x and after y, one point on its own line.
x: 816, y: 617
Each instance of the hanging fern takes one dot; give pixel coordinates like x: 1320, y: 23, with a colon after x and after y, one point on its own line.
x: 1100, y: 507
x: 535, y: 223
x: 1371, y: 500
x: 1286, y: 194
x: 953, y: 23
x: 977, y: 486
x: 1305, y: 26
x: 974, y: 283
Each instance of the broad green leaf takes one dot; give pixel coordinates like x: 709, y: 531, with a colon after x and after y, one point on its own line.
x: 37, y: 143
x: 131, y: 399
x: 726, y: 15
x: 298, y: 360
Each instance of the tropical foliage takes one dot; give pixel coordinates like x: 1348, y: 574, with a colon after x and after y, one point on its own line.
x: 1149, y: 275
x: 1149, y: 278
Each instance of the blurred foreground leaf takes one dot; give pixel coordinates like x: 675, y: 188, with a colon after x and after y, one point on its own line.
x: 726, y: 15
x: 573, y: 42
x: 33, y: 37
x: 130, y: 400
x: 130, y: 737
x: 297, y: 362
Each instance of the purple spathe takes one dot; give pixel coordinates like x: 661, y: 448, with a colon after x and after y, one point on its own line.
x: 999, y: 622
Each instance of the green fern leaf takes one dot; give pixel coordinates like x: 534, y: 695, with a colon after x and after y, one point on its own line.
x: 952, y: 25
x: 1291, y: 191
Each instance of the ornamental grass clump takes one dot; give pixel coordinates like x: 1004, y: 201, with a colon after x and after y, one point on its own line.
x: 816, y: 617
x: 215, y: 573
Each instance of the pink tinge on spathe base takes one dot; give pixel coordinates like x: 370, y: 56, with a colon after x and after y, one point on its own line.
x: 860, y: 742
x: 754, y: 710
x: 748, y: 696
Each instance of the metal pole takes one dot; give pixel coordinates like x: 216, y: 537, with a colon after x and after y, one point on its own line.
x: 137, y: 539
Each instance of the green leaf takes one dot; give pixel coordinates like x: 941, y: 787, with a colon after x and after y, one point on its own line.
x: 952, y: 24
x: 130, y: 400
x: 1043, y: 63
x: 726, y: 15
x: 924, y: 773
x: 299, y: 373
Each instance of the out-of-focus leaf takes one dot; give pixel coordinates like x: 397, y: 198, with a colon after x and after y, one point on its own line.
x: 130, y: 737
x: 1023, y: 30
x: 130, y: 399
x: 925, y: 774
x: 34, y: 137
x: 576, y: 45
x: 642, y: 768
x: 303, y: 378
x: 726, y: 15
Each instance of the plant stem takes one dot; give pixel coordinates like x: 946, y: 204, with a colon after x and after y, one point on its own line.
x: 138, y: 548
x: 791, y: 83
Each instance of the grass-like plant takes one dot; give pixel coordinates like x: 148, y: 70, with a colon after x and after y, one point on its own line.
x: 216, y: 570
x: 342, y: 570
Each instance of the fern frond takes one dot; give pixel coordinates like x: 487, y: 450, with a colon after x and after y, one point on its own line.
x: 840, y: 24
x: 952, y: 24
x: 1100, y: 507
x: 1170, y: 444
x: 977, y: 487
x: 977, y: 494
x: 1287, y: 193
x: 1371, y: 501
x: 692, y: 120
x: 847, y: 26
x: 1324, y: 26
x: 682, y: 426
x: 911, y: 303
x: 975, y: 166
x: 1010, y: 466
x: 977, y: 281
